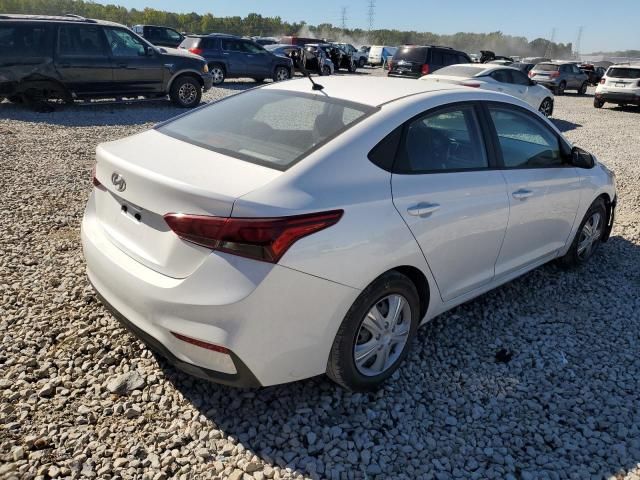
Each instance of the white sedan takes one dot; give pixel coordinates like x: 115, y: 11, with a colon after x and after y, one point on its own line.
x: 286, y: 231
x: 498, y: 78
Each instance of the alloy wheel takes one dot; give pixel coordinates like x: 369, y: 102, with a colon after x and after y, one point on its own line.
x: 282, y: 74
x: 382, y: 335
x: 217, y: 74
x: 187, y: 93
x: 546, y: 108
x: 590, y: 236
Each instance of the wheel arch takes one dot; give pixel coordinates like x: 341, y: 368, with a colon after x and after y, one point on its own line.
x: 419, y: 279
x: 185, y: 73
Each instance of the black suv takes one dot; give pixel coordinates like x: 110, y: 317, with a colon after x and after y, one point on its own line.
x: 67, y: 57
x: 414, y: 61
x: 229, y: 56
x: 159, y: 36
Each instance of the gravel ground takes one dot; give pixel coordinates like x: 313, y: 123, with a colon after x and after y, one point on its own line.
x: 537, y: 379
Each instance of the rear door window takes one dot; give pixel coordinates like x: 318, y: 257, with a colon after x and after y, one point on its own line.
x: 502, y: 76
x: 25, y: 40
x: 446, y: 140
x: 450, y: 59
x: 81, y: 41
x: 436, y: 57
x: 519, y: 78
x: 233, y: 45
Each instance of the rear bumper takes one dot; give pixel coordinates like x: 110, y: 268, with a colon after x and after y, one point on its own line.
x: 277, y: 323
x: 404, y: 74
x: 619, y: 97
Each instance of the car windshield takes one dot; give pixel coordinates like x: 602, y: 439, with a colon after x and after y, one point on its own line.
x: 547, y: 67
x: 618, y: 72
x: 273, y: 128
x: 461, y: 71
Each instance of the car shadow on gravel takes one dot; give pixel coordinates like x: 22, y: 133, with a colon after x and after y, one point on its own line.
x: 564, y: 401
x: 564, y: 125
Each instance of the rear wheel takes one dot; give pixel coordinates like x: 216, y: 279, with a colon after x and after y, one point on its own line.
x: 546, y: 107
x: 361, y: 62
x: 598, y: 103
x: 185, y: 92
x: 375, y: 335
x: 589, y: 236
x: 326, y: 70
x: 281, y: 74
x: 583, y: 89
x: 561, y: 88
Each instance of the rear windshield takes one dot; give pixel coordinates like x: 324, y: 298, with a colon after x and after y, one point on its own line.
x: 411, y: 54
x: 547, y: 67
x: 618, y: 72
x: 461, y: 71
x: 268, y: 127
x: 190, y: 42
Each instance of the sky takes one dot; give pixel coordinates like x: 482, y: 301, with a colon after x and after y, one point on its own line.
x: 606, y: 25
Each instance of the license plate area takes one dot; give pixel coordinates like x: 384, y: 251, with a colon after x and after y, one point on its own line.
x: 621, y: 84
x: 131, y: 211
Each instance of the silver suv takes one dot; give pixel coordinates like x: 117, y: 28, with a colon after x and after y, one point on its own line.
x: 559, y: 76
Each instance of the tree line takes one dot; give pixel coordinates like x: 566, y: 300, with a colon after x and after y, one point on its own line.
x: 256, y: 24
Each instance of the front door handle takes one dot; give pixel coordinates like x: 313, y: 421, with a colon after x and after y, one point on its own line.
x: 422, y: 209
x: 522, y: 194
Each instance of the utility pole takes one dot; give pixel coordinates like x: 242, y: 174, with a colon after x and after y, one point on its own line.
x: 343, y: 18
x: 578, y: 40
x: 547, y: 52
x: 371, y: 13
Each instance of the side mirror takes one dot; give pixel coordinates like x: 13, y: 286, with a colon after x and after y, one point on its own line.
x: 581, y: 158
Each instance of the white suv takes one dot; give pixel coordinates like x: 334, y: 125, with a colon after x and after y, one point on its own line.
x: 621, y: 85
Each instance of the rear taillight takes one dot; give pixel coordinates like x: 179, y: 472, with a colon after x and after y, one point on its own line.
x: 531, y: 74
x: 604, y: 80
x: 470, y: 84
x: 94, y: 178
x: 265, y: 239
x: 389, y: 64
x: 425, y: 69
x: 197, y: 51
x: 554, y: 74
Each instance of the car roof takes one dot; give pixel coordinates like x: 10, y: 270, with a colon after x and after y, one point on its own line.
x: 372, y: 91
x: 69, y: 18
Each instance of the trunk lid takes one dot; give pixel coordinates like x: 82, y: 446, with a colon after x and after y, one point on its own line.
x: 164, y: 175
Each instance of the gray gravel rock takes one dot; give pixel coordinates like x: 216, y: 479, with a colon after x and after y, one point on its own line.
x: 565, y: 406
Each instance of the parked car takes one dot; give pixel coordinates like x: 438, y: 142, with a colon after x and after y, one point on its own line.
x: 489, y: 76
x: 299, y: 57
x: 620, y: 85
x: 159, y: 36
x: 358, y: 56
x: 380, y: 54
x: 299, y: 41
x: 264, y: 41
x: 559, y: 77
x: 307, y: 231
x: 524, y: 67
x: 337, y: 55
x: 489, y: 56
x: 594, y: 73
x: 415, y: 61
x: 68, y: 57
x: 229, y: 56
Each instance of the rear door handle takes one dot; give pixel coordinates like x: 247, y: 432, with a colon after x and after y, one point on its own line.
x: 423, y: 209
x: 522, y: 194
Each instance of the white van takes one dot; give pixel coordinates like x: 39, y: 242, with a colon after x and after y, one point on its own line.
x: 379, y: 54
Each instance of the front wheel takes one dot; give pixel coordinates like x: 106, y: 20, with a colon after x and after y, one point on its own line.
x: 185, y: 92
x: 375, y: 335
x: 583, y: 89
x: 217, y: 73
x: 589, y: 235
x: 597, y: 103
x: 281, y: 74
x: 561, y: 88
x: 326, y: 70
x: 546, y: 107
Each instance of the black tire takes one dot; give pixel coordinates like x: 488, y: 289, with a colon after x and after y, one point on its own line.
x: 561, y: 88
x: 546, y: 107
x: 218, y: 73
x: 326, y: 70
x: 16, y: 99
x: 280, y: 74
x: 583, y: 89
x: 362, y: 62
x: 352, y: 67
x: 341, y: 367
x: 186, y: 92
x: 574, y: 256
x: 258, y: 79
x: 598, y: 103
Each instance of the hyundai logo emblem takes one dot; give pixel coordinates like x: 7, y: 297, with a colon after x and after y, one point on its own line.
x: 118, y: 181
